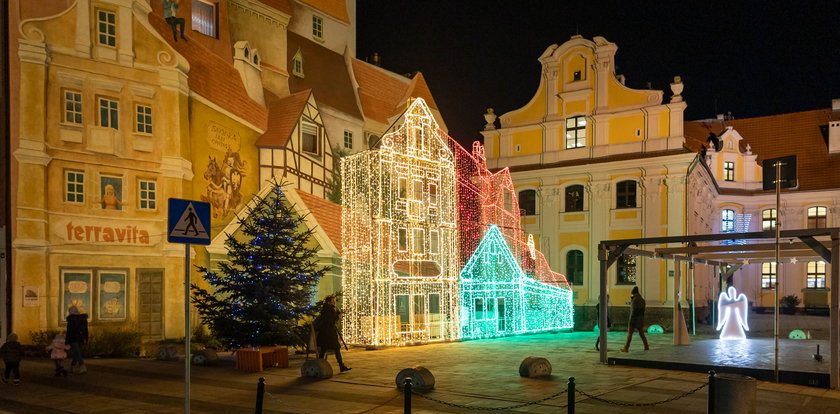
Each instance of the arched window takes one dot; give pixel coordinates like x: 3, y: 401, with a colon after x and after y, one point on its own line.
x: 727, y: 223
x: 768, y: 219
x: 817, y: 217
x: 528, y: 202
x: 625, y: 194
x: 574, y: 267
x: 574, y: 198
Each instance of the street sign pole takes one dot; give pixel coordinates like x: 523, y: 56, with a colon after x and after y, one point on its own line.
x: 778, y: 273
x: 187, y: 328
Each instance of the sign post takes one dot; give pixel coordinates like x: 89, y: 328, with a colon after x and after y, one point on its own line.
x: 188, y: 223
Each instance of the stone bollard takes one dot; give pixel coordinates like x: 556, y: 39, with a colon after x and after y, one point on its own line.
x: 421, y: 378
x: 734, y: 394
x: 316, y: 368
x: 166, y: 353
x: 533, y: 367
x: 205, y: 356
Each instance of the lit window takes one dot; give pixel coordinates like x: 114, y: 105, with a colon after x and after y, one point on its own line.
x: 625, y: 194
x: 817, y: 217
x: 402, y: 187
x: 768, y: 219
x: 109, y: 113
x: 204, y: 17
x: 727, y: 224
x: 317, y: 27
x: 417, y: 187
x: 148, y: 195
x: 309, y: 137
x: 574, y: 267
x: 433, y: 194
x: 75, y: 184
x: 508, y: 201
x: 626, y: 270
x: 144, y: 119
x: 816, y: 275
x: 348, y: 139
x: 434, y: 242
x: 479, y: 309
x: 768, y: 275
x: 402, y: 236
x: 106, y: 28
x: 728, y: 171
x: 576, y: 132
x: 417, y: 241
x: 574, y: 198
x: 528, y: 202
x: 72, y: 107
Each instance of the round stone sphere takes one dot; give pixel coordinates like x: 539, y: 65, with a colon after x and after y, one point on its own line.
x: 533, y: 367
x: 316, y: 368
x: 421, y: 378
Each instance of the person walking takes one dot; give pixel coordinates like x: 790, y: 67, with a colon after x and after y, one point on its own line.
x: 77, y: 337
x: 637, y: 319
x: 11, y: 353
x: 328, y: 332
x: 58, y: 353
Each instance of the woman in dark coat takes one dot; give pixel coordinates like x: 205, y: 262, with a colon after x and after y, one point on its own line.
x: 328, y: 332
x: 637, y: 319
x: 77, y: 336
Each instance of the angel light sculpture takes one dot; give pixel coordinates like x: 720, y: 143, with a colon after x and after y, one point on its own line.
x: 732, y: 315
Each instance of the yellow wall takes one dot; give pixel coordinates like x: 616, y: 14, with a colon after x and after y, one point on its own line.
x: 574, y: 64
x: 664, y: 124
x: 530, y: 142
x: 621, y: 96
x: 576, y: 107
x: 531, y: 113
x: 623, y: 129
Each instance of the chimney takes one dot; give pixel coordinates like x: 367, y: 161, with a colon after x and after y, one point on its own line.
x: 375, y: 59
x: 720, y: 117
x: 835, y: 105
x: 834, y: 136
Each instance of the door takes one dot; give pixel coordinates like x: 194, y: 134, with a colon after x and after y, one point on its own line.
x: 150, y: 300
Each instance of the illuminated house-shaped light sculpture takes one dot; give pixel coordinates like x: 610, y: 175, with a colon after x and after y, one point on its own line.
x: 499, y: 298
x: 399, y: 215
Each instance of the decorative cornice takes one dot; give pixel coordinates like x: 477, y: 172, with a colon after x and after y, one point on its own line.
x: 32, y: 152
x: 262, y: 11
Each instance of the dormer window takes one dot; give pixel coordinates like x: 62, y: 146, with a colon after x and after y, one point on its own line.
x: 297, y: 65
x: 577, y: 76
x: 728, y: 171
x: 309, y: 137
x: 106, y: 28
x: 317, y: 27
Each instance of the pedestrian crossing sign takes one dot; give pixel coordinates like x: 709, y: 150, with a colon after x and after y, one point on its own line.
x: 189, y: 222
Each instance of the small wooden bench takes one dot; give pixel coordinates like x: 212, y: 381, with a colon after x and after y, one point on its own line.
x: 255, y: 359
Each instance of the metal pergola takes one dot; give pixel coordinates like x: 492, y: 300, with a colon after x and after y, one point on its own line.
x: 820, y: 244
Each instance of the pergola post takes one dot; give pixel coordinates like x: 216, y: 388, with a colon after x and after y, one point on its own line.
x: 602, y: 302
x: 834, y: 326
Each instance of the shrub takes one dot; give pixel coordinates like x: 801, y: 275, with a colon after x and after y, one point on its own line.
x: 113, y: 342
x: 42, y: 339
x: 790, y: 301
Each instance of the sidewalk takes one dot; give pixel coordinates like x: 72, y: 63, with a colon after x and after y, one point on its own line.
x: 479, y: 373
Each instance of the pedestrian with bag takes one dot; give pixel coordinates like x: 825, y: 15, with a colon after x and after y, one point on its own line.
x: 77, y: 337
x: 637, y: 319
x: 327, y: 332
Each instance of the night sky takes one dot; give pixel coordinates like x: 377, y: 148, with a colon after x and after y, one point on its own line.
x: 751, y: 58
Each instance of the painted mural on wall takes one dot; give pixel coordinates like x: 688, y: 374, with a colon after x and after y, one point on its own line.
x: 112, y: 296
x: 77, y: 291
x: 110, y: 197
x: 224, y: 174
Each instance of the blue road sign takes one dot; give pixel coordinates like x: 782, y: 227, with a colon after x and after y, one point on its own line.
x: 189, y: 222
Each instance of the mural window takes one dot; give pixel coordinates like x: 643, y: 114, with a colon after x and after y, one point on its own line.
x: 402, y: 237
x: 75, y: 184
x: 109, y: 113
x: 574, y: 267
x: 144, y: 119
x: 626, y: 270
x: 433, y: 194
x: 148, y: 195
x: 728, y: 171
x: 297, y: 65
x: 204, y: 17
x: 727, y: 224
x: 434, y: 242
x: 816, y: 275
x: 817, y: 217
x: 348, y: 139
x: 317, y: 27
x: 625, y: 194
x: 768, y: 219
x: 72, y: 107
x: 402, y: 187
x: 309, y: 133
x: 576, y: 132
x: 110, y: 188
x: 99, y: 293
x: 417, y: 241
x: 768, y: 275
x: 106, y: 27
x: 574, y: 198
x: 528, y: 202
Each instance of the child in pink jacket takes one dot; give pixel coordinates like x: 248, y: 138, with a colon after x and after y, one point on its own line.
x: 58, y: 352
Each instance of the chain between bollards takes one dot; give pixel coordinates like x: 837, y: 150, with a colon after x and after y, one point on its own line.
x: 260, y: 395
x: 407, y: 392
x: 710, y: 408
x: 570, y: 399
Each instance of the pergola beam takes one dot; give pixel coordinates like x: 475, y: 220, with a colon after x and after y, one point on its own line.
x: 741, y: 247
x: 769, y: 234
x: 655, y: 255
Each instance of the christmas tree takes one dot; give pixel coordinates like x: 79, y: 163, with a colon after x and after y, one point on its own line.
x: 265, y: 288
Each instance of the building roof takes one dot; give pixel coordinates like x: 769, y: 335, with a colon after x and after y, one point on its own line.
x: 327, y: 214
x: 334, y: 8
x: 214, y: 78
x: 283, y: 115
x: 803, y: 134
x: 281, y: 5
x: 384, y: 94
x: 599, y: 160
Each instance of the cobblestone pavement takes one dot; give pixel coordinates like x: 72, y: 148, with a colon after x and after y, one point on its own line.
x: 476, y: 373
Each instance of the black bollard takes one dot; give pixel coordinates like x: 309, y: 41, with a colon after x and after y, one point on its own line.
x: 710, y: 409
x: 260, y: 394
x: 570, y: 398
x: 407, y: 391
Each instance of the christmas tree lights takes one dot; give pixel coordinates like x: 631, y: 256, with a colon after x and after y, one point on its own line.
x: 399, y: 233
x: 499, y: 298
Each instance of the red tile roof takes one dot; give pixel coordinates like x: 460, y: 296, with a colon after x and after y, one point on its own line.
x: 384, y: 94
x: 325, y: 72
x: 803, y: 134
x: 281, y: 5
x: 283, y: 115
x: 327, y: 214
x: 335, y: 8
x: 214, y: 77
